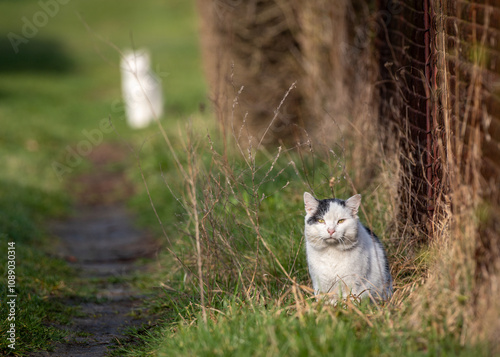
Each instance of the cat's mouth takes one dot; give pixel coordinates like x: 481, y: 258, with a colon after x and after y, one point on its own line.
x: 330, y: 240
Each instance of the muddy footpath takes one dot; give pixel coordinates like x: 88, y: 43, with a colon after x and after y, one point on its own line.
x: 102, y: 242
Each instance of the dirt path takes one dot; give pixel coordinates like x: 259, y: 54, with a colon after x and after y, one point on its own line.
x: 101, y: 240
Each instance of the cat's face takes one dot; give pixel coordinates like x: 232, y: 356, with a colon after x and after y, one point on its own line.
x: 331, y: 222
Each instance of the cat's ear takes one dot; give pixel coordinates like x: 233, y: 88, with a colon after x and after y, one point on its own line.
x: 353, y: 204
x: 311, y: 204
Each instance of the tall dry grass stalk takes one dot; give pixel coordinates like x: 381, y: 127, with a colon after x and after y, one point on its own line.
x: 224, y: 186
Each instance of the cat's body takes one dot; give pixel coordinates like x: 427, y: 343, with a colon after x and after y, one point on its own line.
x: 141, y: 89
x: 344, y: 257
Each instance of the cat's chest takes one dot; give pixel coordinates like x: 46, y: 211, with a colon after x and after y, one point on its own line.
x: 331, y: 260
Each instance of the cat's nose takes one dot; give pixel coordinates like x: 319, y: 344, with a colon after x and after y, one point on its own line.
x: 331, y: 230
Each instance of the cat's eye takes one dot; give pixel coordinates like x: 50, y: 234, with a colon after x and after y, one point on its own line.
x: 321, y: 220
x: 340, y: 221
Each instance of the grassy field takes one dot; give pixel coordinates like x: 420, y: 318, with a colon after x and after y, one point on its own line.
x: 233, y: 214
x: 60, y: 83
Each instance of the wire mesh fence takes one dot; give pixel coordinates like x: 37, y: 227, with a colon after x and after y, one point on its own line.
x: 470, y: 57
x: 440, y: 60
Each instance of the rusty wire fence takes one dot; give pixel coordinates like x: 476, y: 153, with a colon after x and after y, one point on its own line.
x: 403, y: 47
x: 467, y: 77
x: 440, y: 65
x: 472, y: 56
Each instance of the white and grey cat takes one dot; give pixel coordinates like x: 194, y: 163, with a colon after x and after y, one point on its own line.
x: 141, y: 89
x: 344, y: 257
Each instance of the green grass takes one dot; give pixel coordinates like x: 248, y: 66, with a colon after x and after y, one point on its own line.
x: 40, y: 278
x: 268, y: 331
x: 237, y: 328
x: 65, y: 80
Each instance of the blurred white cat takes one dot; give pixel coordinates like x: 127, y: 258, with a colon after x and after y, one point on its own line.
x: 141, y: 89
